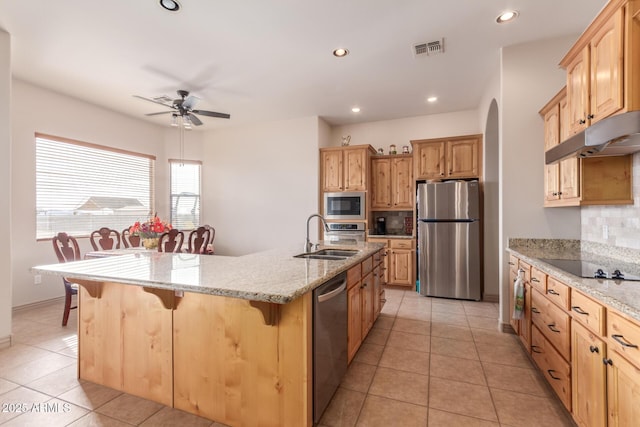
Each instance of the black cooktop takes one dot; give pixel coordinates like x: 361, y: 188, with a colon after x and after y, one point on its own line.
x: 594, y: 269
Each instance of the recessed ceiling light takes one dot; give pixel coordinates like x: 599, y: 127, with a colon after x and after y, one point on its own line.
x: 432, y: 99
x: 507, y: 16
x: 356, y: 109
x: 170, y: 5
x: 340, y: 52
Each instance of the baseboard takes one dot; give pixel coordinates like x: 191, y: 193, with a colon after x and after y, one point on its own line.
x: 491, y: 298
x: 5, y: 342
x: 38, y: 304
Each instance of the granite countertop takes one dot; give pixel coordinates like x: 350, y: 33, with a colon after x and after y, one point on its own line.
x: 271, y: 276
x: 623, y: 296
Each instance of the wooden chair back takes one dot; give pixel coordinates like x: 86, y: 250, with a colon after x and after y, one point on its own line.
x: 105, y: 239
x: 171, y: 241
x: 130, y: 241
x: 67, y: 250
x: 198, y: 240
x: 212, y: 235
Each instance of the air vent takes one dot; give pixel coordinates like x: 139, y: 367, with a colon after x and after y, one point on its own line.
x: 428, y: 48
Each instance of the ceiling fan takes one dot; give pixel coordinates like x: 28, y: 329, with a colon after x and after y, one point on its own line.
x: 183, y: 107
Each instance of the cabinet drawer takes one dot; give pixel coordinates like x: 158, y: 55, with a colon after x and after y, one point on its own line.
x: 377, y: 257
x: 401, y: 243
x: 552, y: 322
x: 527, y: 270
x: 588, y: 312
x: 538, y: 280
x: 624, y: 337
x: 353, y: 275
x: 367, y: 266
x: 513, y: 263
x: 558, y: 292
x: 554, y: 368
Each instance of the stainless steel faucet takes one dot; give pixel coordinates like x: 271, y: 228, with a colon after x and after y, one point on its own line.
x: 308, y: 245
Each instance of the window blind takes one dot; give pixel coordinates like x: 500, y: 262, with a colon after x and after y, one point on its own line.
x: 81, y: 187
x: 185, y: 194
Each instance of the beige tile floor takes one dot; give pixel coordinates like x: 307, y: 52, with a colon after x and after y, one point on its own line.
x: 426, y: 362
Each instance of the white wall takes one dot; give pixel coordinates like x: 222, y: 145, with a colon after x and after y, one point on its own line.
x: 261, y: 184
x: 530, y: 78
x: 383, y: 133
x: 34, y: 109
x: 5, y: 188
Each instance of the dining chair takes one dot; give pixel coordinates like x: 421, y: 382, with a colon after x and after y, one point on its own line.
x: 212, y: 235
x: 171, y: 241
x: 105, y: 239
x: 130, y: 241
x: 198, y: 240
x: 67, y: 250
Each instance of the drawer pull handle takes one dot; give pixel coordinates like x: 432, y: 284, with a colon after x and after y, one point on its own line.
x: 534, y: 279
x: 607, y: 361
x: 383, y: 300
x: 552, y: 326
x: 511, y: 263
x: 552, y: 292
x: 534, y: 348
x: 550, y: 372
x: 620, y: 339
x: 579, y: 310
x: 594, y: 349
x: 535, y: 310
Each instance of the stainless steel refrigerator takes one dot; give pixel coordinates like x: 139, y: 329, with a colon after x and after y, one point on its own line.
x: 449, y: 239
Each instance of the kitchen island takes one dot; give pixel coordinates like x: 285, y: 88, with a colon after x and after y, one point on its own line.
x: 226, y: 338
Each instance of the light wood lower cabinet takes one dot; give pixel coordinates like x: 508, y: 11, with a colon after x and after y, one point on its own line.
x: 555, y: 369
x: 364, y: 301
x: 623, y: 391
x: 399, y: 265
x: 588, y: 377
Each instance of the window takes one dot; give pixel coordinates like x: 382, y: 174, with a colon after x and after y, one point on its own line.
x: 185, y: 194
x: 81, y: 187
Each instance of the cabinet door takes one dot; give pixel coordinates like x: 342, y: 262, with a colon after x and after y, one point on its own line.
x: 332, y: 170
x: 462, y: 158
x: 524, y: 330
x: 401, y: 267
x: 588, y: 376
x: 367, y: 303
x: 377, y: 289
x: 570, y: 179
x: 402, y: 183
x: 354, y: 331
x: 578, y: 92
x: 430, y: 163
x: 606, y: 69
x: 551, y: 139
x: 623, y: 391
x: 381, y: 183
x: 355, y: 169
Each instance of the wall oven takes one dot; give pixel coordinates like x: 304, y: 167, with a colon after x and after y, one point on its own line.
x: 345, y: 205
x: 345, y: 233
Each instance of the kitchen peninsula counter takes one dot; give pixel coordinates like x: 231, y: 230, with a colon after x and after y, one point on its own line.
x: 624, y: 296
x: 226, y: 338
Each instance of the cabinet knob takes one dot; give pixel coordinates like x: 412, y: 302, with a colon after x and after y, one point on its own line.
x: 559, y: 193
x: 594, y: 349
x: 590, y: 116
x: 607, y: 361
x: 582, y: 121
x: 442, y: 174
x: 555, y: 193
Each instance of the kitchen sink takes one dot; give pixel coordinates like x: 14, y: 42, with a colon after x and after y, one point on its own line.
x: 328, y: 254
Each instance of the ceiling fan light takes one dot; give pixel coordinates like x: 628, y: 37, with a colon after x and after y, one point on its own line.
x: 174, y: 121
x: 170, y: 5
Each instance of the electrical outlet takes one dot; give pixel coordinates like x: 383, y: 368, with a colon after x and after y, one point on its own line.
x: 37, y: 279
x: 605, y: 231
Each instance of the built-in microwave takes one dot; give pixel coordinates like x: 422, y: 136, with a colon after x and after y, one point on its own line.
x: 344, y: 205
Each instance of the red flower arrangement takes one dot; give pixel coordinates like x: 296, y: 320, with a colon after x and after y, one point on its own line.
x: 151, y: 228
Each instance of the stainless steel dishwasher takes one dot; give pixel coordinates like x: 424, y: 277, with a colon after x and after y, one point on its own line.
x: 329, y: 341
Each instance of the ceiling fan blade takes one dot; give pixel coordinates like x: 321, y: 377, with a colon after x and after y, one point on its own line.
x: 196, y: 121
x: 190, y: 102
x: 212, y: 114
x: 161, y: 112
x: 153, y: 100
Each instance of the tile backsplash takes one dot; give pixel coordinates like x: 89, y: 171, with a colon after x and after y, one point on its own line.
x: 615, y: 225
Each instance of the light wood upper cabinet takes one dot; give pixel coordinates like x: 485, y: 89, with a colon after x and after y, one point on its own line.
x: 392, y: 183
x: 603, y: 66
x: 345, y: 168
x: 442, y: 158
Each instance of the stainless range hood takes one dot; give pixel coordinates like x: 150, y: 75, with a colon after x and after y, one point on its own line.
x: 614, y: 136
